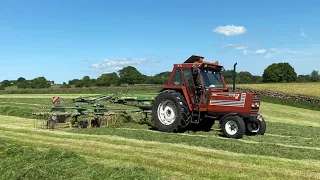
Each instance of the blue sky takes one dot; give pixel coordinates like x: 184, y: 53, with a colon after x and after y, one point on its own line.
x: 62, y: 40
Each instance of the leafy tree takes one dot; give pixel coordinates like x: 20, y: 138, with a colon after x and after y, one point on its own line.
x: 1, y: 87
x: 130, y: 75
x: 86, y: 81
x: 279, y: 72
x: 161, y: 78
x: 73, y: 81
x: 5, y: 83
x: 244, y: 77
x: 93, y: 82
x: 21, y: 79
x: 303, y: 78
x: 256, y: 79
x: 228, y: 76
x: 24, y: 84
x: 108, y: 79
x: 315, y: 76
x: 40, y: 82
x: 65, y: 85
x: 78, y: 84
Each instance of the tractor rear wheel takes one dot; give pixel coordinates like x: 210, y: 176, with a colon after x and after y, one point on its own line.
x: 233, y: 127
x: 170, y: 112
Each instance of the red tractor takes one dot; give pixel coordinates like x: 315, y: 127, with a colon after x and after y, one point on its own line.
x: 196, y: 94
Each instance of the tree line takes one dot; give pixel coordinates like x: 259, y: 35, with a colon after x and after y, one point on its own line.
x: 276, y: 72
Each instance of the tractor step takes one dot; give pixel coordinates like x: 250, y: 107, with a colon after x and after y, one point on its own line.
x: 195, y: 118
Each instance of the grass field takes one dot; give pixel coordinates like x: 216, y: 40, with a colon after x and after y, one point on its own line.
x: 289, y: 150
x: 309, y: 89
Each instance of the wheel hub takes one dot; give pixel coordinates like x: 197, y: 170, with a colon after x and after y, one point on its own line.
x: 231, y: 127
x: 167, y: 112
x: 253, y: 127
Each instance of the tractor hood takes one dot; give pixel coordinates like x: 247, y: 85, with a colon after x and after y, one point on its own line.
x: 237, y: 102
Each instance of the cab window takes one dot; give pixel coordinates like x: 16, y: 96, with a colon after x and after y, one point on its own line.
x: 188, y: 76
x: 177, y: 78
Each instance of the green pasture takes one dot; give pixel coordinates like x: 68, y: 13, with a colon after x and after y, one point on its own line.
x: 290, y: 149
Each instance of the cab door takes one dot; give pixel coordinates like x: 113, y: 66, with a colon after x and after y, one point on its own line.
x: 205, y: 92
x: 188, y: 79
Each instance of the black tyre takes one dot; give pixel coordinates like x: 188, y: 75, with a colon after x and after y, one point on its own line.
x: 257, y: 127
x: 95, y: 123
x: 233, y: 127
x: 170, y: 112
x: 83, y: 124
x: 51, y: 124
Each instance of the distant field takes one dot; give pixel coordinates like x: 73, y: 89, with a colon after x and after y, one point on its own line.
x: 308, y: 89
x: 289, y: 150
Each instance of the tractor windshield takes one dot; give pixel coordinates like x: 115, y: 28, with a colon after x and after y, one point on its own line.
x: 212, y: 79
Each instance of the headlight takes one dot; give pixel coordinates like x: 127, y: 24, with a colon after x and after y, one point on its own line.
x: 255, y: 104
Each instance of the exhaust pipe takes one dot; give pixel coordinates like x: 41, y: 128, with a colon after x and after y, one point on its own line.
x: 234, y: 77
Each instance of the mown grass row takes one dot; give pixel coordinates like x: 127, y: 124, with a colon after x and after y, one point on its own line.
x: 29, y: 163
x: 290, y: 141
x: 173, y: 160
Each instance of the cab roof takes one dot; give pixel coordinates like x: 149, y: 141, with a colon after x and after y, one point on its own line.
x: 197, y: 61
x: 194, y: 58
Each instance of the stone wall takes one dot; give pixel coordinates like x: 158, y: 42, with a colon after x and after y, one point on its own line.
x: 282, y: 95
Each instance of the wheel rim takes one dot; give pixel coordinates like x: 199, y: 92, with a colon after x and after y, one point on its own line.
x: 231, y: 127
x: 253, y: 127
x: 167, y: 112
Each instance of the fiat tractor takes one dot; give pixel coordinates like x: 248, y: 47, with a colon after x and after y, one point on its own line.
x: 196, y: 93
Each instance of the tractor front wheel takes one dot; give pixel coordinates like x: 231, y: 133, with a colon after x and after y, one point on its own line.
x: 258, y: 127
x: 170, y: 112
x: 233, y: 127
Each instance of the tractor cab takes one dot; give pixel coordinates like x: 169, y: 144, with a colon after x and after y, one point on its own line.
x: 198, y: 78
x: 207, y: 75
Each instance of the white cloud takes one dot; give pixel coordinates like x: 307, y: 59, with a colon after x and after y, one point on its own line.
x: 240, y: 46
x: 230, y: 30
x: 285, y: 52
x: 256, y: 52
x: 246, y: 52
x: 304, y: 35
x: 107, y: 66
x: 235, y: 46
x: 260, y: 51
x: 280, y: 42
